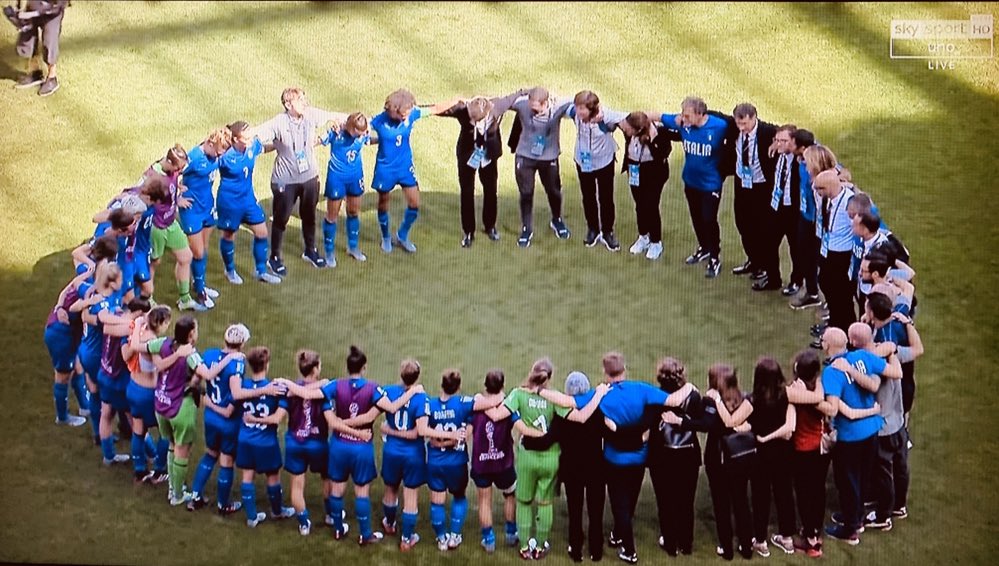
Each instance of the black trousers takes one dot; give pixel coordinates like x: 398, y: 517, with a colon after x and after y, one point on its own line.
x: 703, y: 207
x: 729, y: 485
x: 852, y: 466
x: 891, y: 484
x: 551, y: 180
x: 647, y: 196
x: 674, y: 478
x: 751, y: 208
x: 836, y: 285
x: 591, y: 488
x: 597, y: 188
x: 489, y: 176
x: 780, y: 224
x: 908, y: 385
x: 773, y: 475
x: 808, y: 255
x: 307, y: 195
x: 810, y: 470
x: 623, y: 489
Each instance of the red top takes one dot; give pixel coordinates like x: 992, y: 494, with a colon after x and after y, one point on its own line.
x: 808, y: 430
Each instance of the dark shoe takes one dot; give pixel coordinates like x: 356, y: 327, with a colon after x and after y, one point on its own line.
x: 313, y: 257
x: 758, y: 274
x: 840, y: 532
x: 817, y: 330
x: 805, y: 302
x: 698, y: 256
x: 277, y: 266
x: 630, y: 558
x: 714, y: 267
x: 614, y: 542
x: 526, y: 235
x: 610, y: 240
x: 872, y: 521
x: 725, y: 553
x: 196, y: 503
x: 466, y: 242
x: 29, y: 80
x: 766, y: 284
x: 744, y: 269
x: 48, y: 87
x: 493, y: 234
x: 791, y: 289
x: 592, y: 238
x: 561, y: 230
x: 575, y: 554
x: 746, y: 551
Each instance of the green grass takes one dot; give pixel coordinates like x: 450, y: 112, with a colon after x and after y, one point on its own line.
x: 138, y: 77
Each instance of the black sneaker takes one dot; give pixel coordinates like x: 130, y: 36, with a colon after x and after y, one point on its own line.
x: 313, y: 257
x: 815, y: 344
x: 526, y: 235
x: 900, y: 513
x: 630, y: 558
x: 714, y: 267
x: 29, y: 80
x: 466, y: 241
x: 840, y: 532
x: 791, y: 289
x: 592, y: 238
x: 698, y: 256
x: 229, y: 509
x: 744, y: 269
x: 766, y: 284
x: 817, y: 330
x: 805, y: 302
x: 277, y: 266
x: 561, y: 230
x: 758, y: 274
x: 610, y: 240
x: 575, y: 554
x: 48, y: 87
x: 493, y: 234
x: 871, y: 521
x: 196, y: 503
x: 725, y: 553
x: 614, y: 542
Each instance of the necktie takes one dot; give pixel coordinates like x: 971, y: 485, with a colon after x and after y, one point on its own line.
x: 782, y: 175
x: 825, y: 213
x: 745, y: 150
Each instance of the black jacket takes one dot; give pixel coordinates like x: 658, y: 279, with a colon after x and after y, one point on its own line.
x: 468, y: 139
x: 661, y: 148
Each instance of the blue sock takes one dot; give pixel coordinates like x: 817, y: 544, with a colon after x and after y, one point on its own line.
x: 353, y: 231
x: 203, y: 472
x: 511, y: 528
x: 362, y: 507
x: 488, y: 534
x: 60, y: 391
x: 107, y: 448
x: 95, y: 412
x: 79, y: 385
x: 390, y: 513
x: 459, y: 509
x: 260, y: 254
x: 383, y: 222
x: 408, y: 524
x: 329, y: 236
x: 138, y: 453
x: 249, y: 496
x: 303, y: 517
x: 228, y: 249
x: 437, y: 520
x: 274, y: 495
x: 224, y: 486
x: 149, y: 444
x: 407, y: 222
x: 328, y: 506
x: 162, y: 447
x: 336, y: 511
x: 198, y: 268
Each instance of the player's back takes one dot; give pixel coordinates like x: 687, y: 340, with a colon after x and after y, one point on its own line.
x: 236, y: 172
x: 260, y: 407
x: 217, y: 388
x: 199, y: 175
x: 449, y: 415
x: 404, y: 420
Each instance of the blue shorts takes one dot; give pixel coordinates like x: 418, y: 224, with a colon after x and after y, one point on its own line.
x: 337, y: 188
x: 505, y: 481
x: 195, y: 219
x: 140, y: 403
x: 221, y: 434
x: 452, y: 478
x: 91, y: 362
x: 261, y: 459
x: 300, y: 457
x: 140, y: 266
x: 352, y: 460
x: 59, y: 341
x: 127, y: 276
x: 408, y: 469
x: 230, y: 219
x: 113, y: 390
x: 385, y: 181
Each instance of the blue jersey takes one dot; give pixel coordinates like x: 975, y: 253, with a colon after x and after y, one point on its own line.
x: 702, y: 146
x: 625, y: 404
x: 199, y: 176
x: 394, y: 151
x: 236, y: 172
x: 450, y: 415
x: 93, y: 335
x: 257, y: 434
x: 218, y: 389
x: 345, y: 155
x: 404, y: 419
x: 839, y: 384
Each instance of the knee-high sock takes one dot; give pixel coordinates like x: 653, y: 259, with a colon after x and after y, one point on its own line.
x: 79, y: 385
x: 390, y: 512
x: 224, y: 486
x: 138, y: 453
x: 228, y: 249
x: 178, y: 475
x: 274, y: 496
x: 511, y: 528
x: 407, y: 222
x: 437, y: 520
x: 353, y: 231
x: 459, y: 509
x: 303, y: 517
x: 336, y: 512
x: 524, y: 522
x: 545, y: 514
x: 199, y: 266
x: 162, y: 449
x: 184, y: 290
x: 329, y: 236
x: 107, y: 448
x: 149, y: 444
x: 249, y: 496
x: 260, y: 254
x: 408, y: 524
x: 201, y: 475
x: 383, y: 222
x: 60, y: 392
x: 362, y: 507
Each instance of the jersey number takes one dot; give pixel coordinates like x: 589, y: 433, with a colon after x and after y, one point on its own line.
x: 541, y: 423
x: 402, y: 420
x: 398, y: 140
x: 262, y: 411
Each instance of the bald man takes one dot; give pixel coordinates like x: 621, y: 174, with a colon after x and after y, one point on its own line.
x: 836, y: 248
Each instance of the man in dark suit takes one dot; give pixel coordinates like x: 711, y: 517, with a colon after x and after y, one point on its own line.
x: 782, y: 216
x: 754, y: 169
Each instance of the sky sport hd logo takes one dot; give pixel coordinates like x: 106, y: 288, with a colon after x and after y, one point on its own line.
x: 941, y: 43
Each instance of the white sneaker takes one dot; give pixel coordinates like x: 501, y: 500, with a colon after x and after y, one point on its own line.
x: 640, y: 245
x: 184, y: 500
x: 305, y: 529
x: 118, y: 459
x: 72, y: 420
x: 655, y: 250
x: 83, y: 412
x: 285, y: 513
x: 252, y: 523
x: 268, y: 278
x: 357, y: 254
x: 191, y: 305
x: 453, y: 541
x: 442, y: 543
x: 233, y: 278
x: 212, y: 293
